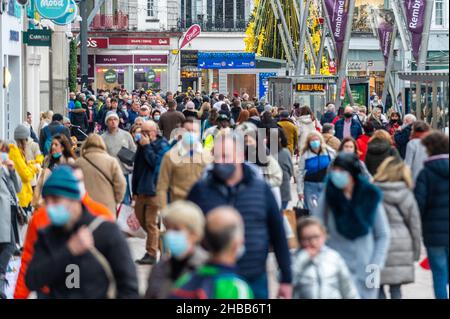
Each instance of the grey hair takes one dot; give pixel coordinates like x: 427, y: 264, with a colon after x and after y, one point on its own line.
x: 410, y: 118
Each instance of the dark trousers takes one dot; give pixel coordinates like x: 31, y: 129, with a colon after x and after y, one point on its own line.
x: 6, y: 252
x: 395, y: 291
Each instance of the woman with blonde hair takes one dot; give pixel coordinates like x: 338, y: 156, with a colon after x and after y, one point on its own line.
x: 379, y: 148
x: 44, y: 120
x: 395, y: 181
x: 103, y: 177
x: 312, y: 168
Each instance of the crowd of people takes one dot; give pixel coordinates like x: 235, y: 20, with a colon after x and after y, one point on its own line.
x: 210, y: 179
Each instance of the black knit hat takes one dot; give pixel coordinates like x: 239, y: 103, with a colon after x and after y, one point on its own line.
x: 348, y: 162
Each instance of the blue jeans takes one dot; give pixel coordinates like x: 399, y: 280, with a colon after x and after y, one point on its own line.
x: 438, y: 258
x: 127, y: 198
x: 312, y: 192
x: 284, y: 205
x: 259, y: 286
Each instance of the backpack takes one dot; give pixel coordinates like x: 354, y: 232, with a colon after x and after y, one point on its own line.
x: 49, y: 138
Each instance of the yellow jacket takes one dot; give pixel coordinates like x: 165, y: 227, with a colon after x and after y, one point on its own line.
x: 26, y: 171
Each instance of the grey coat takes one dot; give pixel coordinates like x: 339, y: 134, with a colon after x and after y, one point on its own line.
x: 285, y: 161
x: 324, y: 277
x: 364, y: 255
x: 406, y: 233
x: 416, y: 154
x: 6, y: 200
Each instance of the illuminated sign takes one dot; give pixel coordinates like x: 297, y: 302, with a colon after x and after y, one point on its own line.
x: 310, y: 87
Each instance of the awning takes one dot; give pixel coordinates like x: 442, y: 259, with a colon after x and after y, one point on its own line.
x: 419, y: 76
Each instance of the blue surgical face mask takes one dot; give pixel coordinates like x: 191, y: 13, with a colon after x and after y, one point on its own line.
x: 314, y: 144
x: 176, y: 242
x: 3, y: 156
x: 58, y: 214
x: 57, y: 155
x: 137, y: 137
x: 189, y: 139
x: 156, y: 117
x: 340, y: 179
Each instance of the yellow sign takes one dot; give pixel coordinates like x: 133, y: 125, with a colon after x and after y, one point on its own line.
x: 175, y: 52
x: 310, y: 87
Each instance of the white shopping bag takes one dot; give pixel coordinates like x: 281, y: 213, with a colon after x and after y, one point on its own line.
x: 128, y: 223
x: 12, y: 272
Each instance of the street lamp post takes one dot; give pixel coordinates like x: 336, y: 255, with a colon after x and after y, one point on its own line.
x: 83, y: 44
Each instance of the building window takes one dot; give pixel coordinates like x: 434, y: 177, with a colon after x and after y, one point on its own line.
x: 439, y: 12
x: 152, y: 8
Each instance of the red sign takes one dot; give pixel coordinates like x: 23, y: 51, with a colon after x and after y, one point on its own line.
x: 193, y: 32
x: 113, y: 59
x: 97, y: 43
x: 140, y: 41
x: 344, y: 86
x: 150, y: 59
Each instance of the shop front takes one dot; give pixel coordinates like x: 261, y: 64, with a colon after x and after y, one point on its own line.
x: 190, y: 74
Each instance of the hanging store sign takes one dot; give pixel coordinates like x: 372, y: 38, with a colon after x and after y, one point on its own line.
x: 97, y: 43
x: 338, y: 15
x: 415, y: 19
x: 193, y: 32
x: 310, y: 87
x: 38, y: 38
x: 226, y: 60
x: 52, y: 9
x: 70, y: 15
x: 189, y: 58
x: 384, y: 22
x: 110, y: 76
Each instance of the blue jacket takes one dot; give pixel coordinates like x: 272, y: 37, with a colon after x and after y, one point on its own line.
x: 263, y: 222
x: 146, y: 167
x: 431, y: 193
x: 355, y: 129
x: 327, y: 117
x: 132, y: 116
x: 401, y: 139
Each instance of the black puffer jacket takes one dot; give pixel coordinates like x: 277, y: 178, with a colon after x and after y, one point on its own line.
x: 377, y: 151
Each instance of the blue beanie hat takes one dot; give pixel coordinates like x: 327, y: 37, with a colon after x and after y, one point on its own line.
x: 62, y: 183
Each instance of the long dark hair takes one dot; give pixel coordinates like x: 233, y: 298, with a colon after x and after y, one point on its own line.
x: 306, y: 110
x: 67, y: 148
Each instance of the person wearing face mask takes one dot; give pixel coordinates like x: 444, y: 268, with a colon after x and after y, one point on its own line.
x: 348, y: 125
x: 150, y: 152
x: 40, y: 220
x: 394, y: 124
x: 218, y: 278
x: 349, y: 145
x: 318, y: 271
x: 9, y: 186
x: 75, y: 236
x: 312, y: 169
x: 352, y: 210
x: 156, y: 115
x: 232, y: 180
x: 183, y: 165
x: 184, y: 223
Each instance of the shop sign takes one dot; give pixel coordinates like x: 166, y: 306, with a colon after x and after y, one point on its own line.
x: 38, y: 38
x: 193, y: 32
x: 110, y: 76
x: 70, y: 15
x: 97, y: 43
x: 151, y: 76
x: 360, y: 94
x: 264, y: 83
x: 356, y: 66
x: 139, y: 41
x: 226, y: 60
x: 150, y: 59
x: 14, y: 35
x: 113, y: 59
x: 52, y: 9
x: 310, y: 87
x: 189, y: 58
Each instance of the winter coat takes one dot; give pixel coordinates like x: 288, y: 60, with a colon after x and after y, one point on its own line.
x: 313, y: 167
x: 114, y: 142
x: 362, y: 143
x: 48, y: 267
x: 377, y: 124
x: 416, y: 155
x: 272, y: 173
x: 377, y: 151
x: 431, y: 193
x: 305, y: 126
x: 324, y: 277
x: 327, y: 117
x: 169, y: 121
x: 9, y: 187
x: 254, y: 200
x: 401, y: 139
x: 406, y: 233
x: 27, y: 172
x: 147, y: 165
x: 99, y: 184
x: 285, y: 161
x: 291, y: 132
x: 355, y: 129
x: 332, y: 141
x: 53, y: 128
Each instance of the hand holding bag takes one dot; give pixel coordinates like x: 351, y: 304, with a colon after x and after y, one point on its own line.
x: 126, y: 156
x: 300, y: 210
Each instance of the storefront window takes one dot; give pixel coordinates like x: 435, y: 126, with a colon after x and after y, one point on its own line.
x: 110, y: 77
x: 242, y: 83
x: 150, y: 77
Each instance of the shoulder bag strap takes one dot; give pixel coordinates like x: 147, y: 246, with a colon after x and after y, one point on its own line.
x: 98, y: 169
x: 111, y: 293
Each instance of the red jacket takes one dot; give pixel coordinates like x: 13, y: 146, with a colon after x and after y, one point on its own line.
x: 361, y: 143
x: 39, y: 221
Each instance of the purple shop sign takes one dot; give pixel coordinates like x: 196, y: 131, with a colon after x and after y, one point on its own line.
x: 338, y: 13
x: 385, y: 21
x: 415, y: 19
x: 113, y: 59
x: 150, y: 59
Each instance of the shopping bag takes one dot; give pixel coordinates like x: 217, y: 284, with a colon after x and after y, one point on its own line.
x: 128, y: 223
x: 425, y: 264
x: 300, y: 210
x: 291, y: 218
x: 12, y: 272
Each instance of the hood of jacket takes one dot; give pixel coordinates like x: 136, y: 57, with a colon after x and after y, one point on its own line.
x: 305, y: 119
x: 394, y: 192
x: 378, y: 146
x: 438, y: 165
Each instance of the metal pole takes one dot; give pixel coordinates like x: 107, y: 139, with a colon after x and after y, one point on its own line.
x: 83, y: 45
x: 423, y: 53
x: 301, y: 47
x: 343, y: 61
x: 278, y: 11
x: 434, y: 119
x: 390, y: 64
x: 349, y: 92
x: 322, y: 45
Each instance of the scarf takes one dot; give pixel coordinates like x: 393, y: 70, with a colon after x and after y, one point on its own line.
x: 355, y: 217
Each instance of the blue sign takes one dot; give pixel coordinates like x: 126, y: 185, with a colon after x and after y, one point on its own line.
x: 70, y: 15
x: 264, y: 83
x: 52, y: 9
x: 226, y: 60
x: 14, y: 35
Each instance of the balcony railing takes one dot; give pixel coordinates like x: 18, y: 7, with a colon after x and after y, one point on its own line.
x: 229, y: 25
x: 112, y: 22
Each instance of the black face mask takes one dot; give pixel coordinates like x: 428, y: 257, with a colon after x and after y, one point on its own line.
x: 394, y: 120
x: 223, y: 171
x: 348, y: 115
